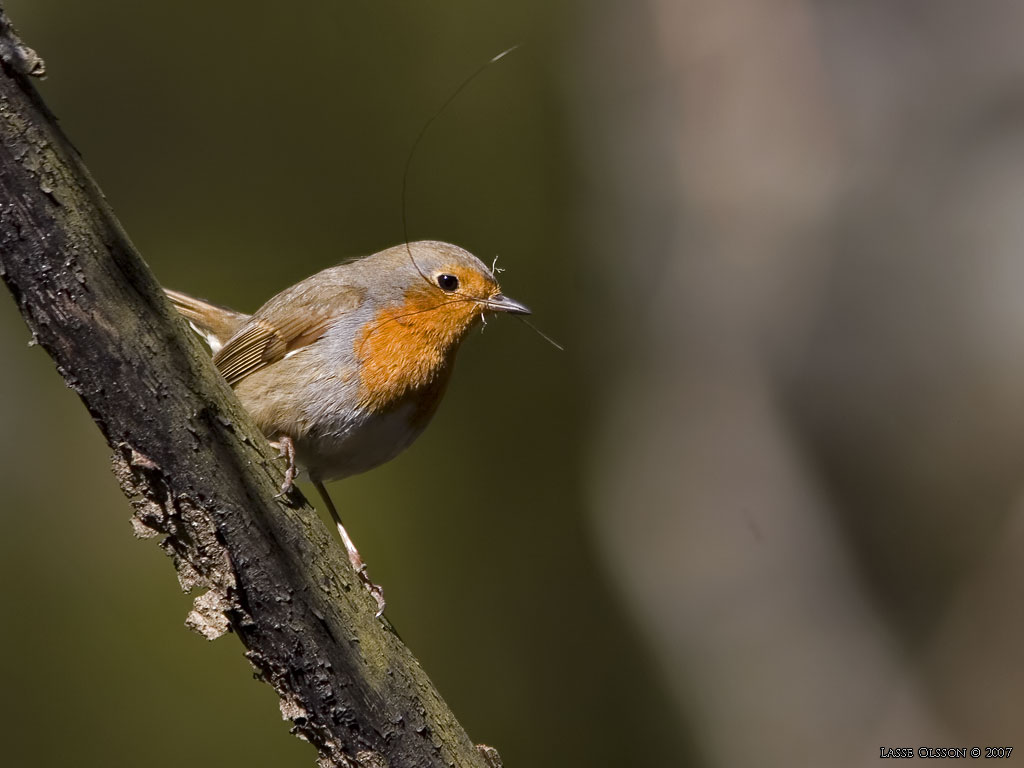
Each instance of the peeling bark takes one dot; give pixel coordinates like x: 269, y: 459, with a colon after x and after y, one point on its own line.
x: 198, y: 473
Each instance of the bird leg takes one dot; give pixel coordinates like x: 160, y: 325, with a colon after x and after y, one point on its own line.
x: 353, y: 553
x: 286, y: 449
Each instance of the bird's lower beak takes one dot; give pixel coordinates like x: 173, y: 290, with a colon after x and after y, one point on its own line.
x: 500, y: 303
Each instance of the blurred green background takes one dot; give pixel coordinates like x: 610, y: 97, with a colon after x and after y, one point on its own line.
x: 766, y: 509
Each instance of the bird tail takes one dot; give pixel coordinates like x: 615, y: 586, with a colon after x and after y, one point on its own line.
x: 214, y: 323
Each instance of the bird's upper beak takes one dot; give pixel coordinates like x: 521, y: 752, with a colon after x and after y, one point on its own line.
x: 501, y: 303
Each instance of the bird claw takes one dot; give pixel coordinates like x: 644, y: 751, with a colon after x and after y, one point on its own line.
x: 286, y: 450
x: 350, y: 549
x: 374, y: 589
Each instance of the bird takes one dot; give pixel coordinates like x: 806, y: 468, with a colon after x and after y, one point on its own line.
x: 344, y: 370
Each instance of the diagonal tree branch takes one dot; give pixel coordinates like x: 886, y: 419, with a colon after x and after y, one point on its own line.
x: 198, y: 472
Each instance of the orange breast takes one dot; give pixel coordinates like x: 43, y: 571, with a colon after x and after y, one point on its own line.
x: 408, y: 351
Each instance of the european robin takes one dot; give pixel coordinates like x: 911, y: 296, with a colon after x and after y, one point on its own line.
x: 344, y: 370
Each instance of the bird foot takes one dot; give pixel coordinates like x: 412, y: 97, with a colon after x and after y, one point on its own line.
x: 374, y: 589
x: 286, y: 450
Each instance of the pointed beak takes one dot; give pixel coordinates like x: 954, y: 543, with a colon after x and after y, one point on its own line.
x: 500, y: 303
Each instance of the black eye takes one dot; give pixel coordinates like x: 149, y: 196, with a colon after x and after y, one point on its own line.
x: 448, y: 282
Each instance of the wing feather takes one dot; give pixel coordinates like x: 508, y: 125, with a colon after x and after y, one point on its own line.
x: 290, y: 321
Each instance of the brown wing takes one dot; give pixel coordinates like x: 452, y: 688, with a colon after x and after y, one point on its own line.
x: 291, y: 320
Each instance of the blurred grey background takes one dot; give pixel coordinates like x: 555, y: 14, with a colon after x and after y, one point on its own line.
x: 765, y: 510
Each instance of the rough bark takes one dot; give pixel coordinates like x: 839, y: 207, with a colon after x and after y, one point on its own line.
x: 197, y: 471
